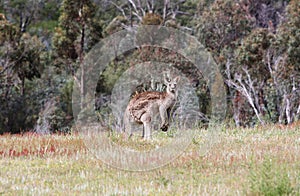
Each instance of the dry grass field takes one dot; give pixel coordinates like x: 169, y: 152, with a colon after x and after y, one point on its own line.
x: 256, y: 161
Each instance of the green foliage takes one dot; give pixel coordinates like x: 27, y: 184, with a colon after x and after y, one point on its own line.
x: 110, y: 76
x: 30, y: 51
x: 66, y: 97
x: 1, y: 8
x: 8, y: 31
x: 288, y: 40
x: 270, y: 180
x: 49, y: 10
x: 253, y: 35
x: 264, y: 64
x: 20, y: 51
x: 252, y: 52
x: 21, y: 55
x: 55, y: 103
x: 63, y: 44
x: 61, y: 117
x: 203, y: 5
x: 188, y: 7
x: 23, y: 94
x: 48, y: 26
x: 76, y: 17
x: 223, y: 24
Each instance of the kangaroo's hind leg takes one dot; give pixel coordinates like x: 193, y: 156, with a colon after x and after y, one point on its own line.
x: 127, y: 125
x: 146, y: 120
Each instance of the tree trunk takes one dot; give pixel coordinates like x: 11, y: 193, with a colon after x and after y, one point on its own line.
x: 82, y: 66
x: 23, y: 86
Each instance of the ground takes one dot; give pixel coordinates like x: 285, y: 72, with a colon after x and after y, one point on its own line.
x: 256, y: 161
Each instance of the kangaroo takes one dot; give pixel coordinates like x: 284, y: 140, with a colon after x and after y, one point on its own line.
x: 144, y: 106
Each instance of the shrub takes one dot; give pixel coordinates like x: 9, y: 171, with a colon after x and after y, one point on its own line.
x: 269, y: 180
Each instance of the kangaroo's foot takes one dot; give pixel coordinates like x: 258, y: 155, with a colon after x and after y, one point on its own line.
x: 165, y: 127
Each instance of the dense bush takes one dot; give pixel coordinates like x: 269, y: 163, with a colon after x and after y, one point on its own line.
x: 256, y: 44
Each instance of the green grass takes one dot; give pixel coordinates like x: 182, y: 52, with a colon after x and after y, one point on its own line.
x: 270, y: 179
x: 259, y: 161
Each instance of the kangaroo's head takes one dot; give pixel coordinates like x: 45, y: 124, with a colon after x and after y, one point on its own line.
x: 171, y: 84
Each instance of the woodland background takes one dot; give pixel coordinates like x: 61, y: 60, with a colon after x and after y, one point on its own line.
x: 256, y: 44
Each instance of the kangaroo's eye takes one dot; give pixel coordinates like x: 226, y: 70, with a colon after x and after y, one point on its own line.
x: 174, y: 85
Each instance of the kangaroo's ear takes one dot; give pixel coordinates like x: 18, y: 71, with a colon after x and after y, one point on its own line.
x: 177, y: 79
x: 167, y: 79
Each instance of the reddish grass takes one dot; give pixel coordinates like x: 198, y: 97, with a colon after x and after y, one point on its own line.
x: 32, y: 144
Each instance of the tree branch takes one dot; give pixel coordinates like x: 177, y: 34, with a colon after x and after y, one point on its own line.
x: 245, y: 89
x: 119, y: 8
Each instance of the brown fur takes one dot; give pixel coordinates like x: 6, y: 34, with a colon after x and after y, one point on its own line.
x: 141, y: 103
x: 144, y: 106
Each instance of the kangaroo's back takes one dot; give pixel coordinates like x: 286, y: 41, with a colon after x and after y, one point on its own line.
x: 144, y: 102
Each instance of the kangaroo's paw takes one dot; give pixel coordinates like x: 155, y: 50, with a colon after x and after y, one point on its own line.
x: 165, y: 127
